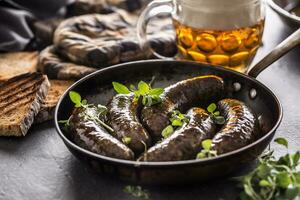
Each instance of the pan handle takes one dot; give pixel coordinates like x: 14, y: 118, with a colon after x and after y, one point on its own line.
x: 280, y: 50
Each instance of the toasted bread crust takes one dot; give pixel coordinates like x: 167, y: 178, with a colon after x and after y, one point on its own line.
x: 17, y: 111
x: 57, y: 88
x: 16, y: 63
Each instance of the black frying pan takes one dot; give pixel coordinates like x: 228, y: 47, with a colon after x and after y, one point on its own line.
x: 97, y: 88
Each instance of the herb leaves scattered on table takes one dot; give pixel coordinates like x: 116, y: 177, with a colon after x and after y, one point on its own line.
x: 150, y: 96
x: 137, y: 191
x: 273, y: 179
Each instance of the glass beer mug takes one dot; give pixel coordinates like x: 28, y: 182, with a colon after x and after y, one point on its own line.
x: 218, y: 32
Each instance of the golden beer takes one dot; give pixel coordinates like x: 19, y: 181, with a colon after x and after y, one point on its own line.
x: 219, y: 32
x: 232, y: 49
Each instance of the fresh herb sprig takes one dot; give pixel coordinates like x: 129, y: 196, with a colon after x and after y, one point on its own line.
x: 126, y: 140
x: 76, y: 99
x: 177, y: 119
x: 206, y: 151
x: 137, y: 191
x: 88, y: 112
x: 166, y: 132
x: 273, y: 179
x: 150, y: 96
x: 212, y: 109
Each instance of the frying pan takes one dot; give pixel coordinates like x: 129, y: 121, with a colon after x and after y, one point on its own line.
x: 97, y: 88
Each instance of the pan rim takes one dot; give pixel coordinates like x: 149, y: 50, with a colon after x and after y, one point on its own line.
x: 135, y: 163
x: 281, y: 11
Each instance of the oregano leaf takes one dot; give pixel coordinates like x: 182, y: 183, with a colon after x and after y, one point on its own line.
x: 217, y: 113
x: 201, y: 155
x: 167, y: 131
x: 212, y: 107
x: 120, y: 88
x: 126, y: 140
x: 206, y: 144
x: 177, y: 122
x: 156, y: 91
x: 219, y: 119
x: 132, y: 87
x: 84, y: 102
x: 75, y: 98
x: 282, y: 141
x: 143, y: 87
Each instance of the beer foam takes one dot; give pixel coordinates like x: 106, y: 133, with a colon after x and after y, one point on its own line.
x: 219, y: 14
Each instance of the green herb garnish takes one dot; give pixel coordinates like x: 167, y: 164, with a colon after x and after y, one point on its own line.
x: 76, y: 99
x: 66, y: 123
x: 273, y: 178
x: 88, y: 112
x: 282, y: 141
x: 167, y: 131
x: 137, y: 191
x: 120, y: 88
x: 206, y: 144
x: 177, y: 119
x: 126, y: 140
x: 206, y: 152
x: 215, y: 114
x: 150, y: 96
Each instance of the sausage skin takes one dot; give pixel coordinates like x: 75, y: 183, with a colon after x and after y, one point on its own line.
x: 89, y: 135
x: 185, y: 142
x: 123, y: 116
x: 181, y: 96
x: 240, y: 129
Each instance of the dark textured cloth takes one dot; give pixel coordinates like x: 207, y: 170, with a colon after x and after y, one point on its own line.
x: 81, y: 7
x: 96, y: 40
x: 17, y: 18
x: 15, y: 32
x: 100, y: 40
x: 56, y: 67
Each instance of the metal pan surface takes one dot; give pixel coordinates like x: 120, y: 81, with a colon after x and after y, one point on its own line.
x: 97, y: 88
x: 289, y: 9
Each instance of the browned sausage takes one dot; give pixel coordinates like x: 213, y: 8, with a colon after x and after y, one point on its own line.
x: 185, y: 142
x: 240, y: 129
x: 123, y: 116
x: 181, y: 96
x: 90, y: 135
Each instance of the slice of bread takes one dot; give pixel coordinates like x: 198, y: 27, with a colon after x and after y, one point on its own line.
x: 57, y: 88
x: 20, y: 101
x: 16, y: 63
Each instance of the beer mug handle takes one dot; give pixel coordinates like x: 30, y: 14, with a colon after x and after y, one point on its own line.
x: 146, y: 15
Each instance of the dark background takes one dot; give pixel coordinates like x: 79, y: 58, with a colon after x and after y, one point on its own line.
x: 39, y: 166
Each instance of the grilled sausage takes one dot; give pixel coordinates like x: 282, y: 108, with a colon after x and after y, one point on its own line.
x: 183, y: 95
x: 185, y: 142
x: 123, y: 116
x: 240, y: 128
x: 91, y: 136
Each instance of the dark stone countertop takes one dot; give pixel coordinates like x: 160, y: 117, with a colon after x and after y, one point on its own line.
x: 39, y: 166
